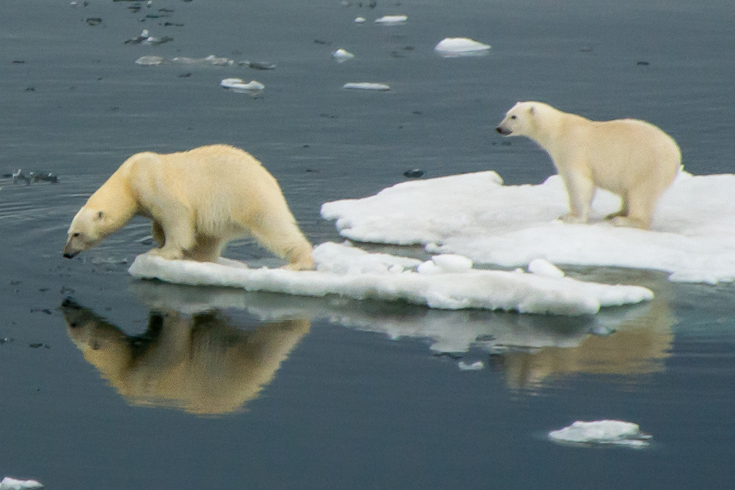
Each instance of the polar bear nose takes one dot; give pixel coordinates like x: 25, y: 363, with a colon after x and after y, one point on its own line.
x: 503, y: 131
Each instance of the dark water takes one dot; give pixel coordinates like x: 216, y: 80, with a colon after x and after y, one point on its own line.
x: 120, y: 390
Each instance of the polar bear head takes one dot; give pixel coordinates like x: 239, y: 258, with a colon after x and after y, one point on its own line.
x: 87, y: 230
x: 522, y: 119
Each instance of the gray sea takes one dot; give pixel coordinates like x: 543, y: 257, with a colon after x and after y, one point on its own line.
x: 111, y: 383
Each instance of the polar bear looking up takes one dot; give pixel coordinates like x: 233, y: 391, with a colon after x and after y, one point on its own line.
x: 197, y: 201
x: 633, y: 159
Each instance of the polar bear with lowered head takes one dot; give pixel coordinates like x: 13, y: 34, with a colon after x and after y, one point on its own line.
x: 633, y: 159
x: 198, y: 201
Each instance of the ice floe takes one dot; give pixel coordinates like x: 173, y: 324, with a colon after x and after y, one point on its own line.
x: 391, y: 19
x: 342, y: 55
x: 238, y: 85
x: 614, y: 432
x: 350, y: 272
x: 366, y: 86
x: 453, y: 47
x: 9, y: 483
x: 475, y: 215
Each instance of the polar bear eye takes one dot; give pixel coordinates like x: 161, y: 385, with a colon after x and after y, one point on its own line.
x: 75, y: 235
x: 514, y: 116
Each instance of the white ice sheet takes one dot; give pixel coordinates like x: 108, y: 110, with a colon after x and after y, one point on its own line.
x: 444, y: 283
x: 693, y: 234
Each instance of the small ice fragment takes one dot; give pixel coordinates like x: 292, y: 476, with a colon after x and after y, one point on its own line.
x: 452, y: 262
x: 366, y: 86
x: 9, y: 483
x: 342, y: 55
x: 542, y: 267
x: 359, y: 20
x: 460, y: 46
x: 475, y: 366
x: 155, y: 41
x: 149, y: 60
x: 602, y: 432
x: 238, y: 85
x: 391, y: 19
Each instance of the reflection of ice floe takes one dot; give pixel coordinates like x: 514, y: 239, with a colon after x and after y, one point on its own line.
x: 203, y: 363
x: 529, y: 350
x: 237, y: 85
x: 613, y: 432
x: 452, y: 47
x: 510, y: 225
x: 484, y: 289
x: 9, y: 483
x: 366, y: 86
x: 342, y: 55
x: 391, y: 19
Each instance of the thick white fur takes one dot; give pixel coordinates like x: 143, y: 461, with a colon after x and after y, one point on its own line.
x: 633, y: 159
x: 198, y: 201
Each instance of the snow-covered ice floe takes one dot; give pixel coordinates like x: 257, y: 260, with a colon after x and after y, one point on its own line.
x: 366, y: 86
x: 453, y: 47
x: 9, y: 483
x: 444, y: 282
x: 391, y: 19
x: 475, y: 215
x: 614, y: 432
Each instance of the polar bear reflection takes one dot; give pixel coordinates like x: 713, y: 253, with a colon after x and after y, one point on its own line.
x: 199, y: 363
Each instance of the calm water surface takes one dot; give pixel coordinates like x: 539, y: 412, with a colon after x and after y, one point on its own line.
x: 147, y: 385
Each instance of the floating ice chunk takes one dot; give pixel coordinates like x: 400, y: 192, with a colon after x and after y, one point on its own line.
x: 602, y: 432
x: 353, y: 273
x: 342, y: 55
x: 9, y: 483
x: 545, y: 268
x: 452, y: 262
x: 475, y: 366
x: 208, y: 60
x: 359, y: 20
x: 366, y: 86
x: 150, y: 60
x: 237, y: 85
x: 461, y: 46
x: 391, y: 19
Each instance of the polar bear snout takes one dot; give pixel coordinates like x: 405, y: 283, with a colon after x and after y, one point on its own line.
x: 503, y: 131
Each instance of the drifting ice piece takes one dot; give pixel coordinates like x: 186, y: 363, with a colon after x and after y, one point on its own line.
x: 391, y: 19
x: 461, y: 46
x: 366, y: 86
x: 602, y: 432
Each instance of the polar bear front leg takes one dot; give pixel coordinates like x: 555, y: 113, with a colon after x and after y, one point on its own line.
x: 178, y: 234
x: 580, y: 191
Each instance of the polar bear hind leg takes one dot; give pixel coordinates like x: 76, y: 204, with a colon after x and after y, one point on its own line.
x: 283, y: 237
